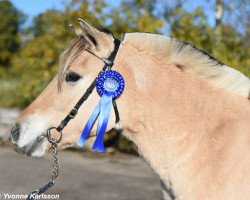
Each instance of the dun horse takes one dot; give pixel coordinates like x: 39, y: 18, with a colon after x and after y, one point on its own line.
x: 188, y: 114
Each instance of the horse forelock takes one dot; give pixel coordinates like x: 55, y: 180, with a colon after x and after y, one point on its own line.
x: 76, y: 46
x: 189, y: 57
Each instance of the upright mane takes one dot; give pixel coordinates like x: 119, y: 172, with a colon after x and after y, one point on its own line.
x: 191, y: 58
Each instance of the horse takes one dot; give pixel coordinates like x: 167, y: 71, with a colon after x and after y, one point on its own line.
x: 187, y: 113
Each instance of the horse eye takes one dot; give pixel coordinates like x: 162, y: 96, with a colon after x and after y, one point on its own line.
x: 72, y: 77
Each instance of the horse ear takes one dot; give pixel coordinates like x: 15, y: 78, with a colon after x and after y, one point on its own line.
x: 86, y: 28
x: 99, y: 39
x: 89, y: 31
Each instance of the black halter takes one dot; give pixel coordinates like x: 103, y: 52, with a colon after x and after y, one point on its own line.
x: 108, y: 63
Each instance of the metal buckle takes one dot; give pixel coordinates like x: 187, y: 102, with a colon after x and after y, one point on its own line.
x: 53, y: 140
x: 107, y: 62
x: 73, y: 113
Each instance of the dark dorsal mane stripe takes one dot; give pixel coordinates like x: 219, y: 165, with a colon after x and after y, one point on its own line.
x: 182, y: 44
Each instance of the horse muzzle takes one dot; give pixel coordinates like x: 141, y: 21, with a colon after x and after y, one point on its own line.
x: 33, y: 148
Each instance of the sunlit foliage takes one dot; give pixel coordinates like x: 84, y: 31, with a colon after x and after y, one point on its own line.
x: 35, y: 60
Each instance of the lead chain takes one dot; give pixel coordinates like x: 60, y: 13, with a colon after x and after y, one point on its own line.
x: 54, y: 174
x: 56, y: 163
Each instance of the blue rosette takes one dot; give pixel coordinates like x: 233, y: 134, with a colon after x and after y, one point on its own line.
x: 109, y: 85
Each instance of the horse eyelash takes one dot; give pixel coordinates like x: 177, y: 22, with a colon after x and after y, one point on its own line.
x: 72, y: 77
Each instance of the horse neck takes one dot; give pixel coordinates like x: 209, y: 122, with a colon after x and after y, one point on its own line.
x: 173, y: 116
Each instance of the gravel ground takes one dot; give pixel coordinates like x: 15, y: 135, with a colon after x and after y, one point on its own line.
x: 82, y: 176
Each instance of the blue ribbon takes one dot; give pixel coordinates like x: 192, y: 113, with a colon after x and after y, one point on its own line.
x: 102, y: 109
x: 109, y: 85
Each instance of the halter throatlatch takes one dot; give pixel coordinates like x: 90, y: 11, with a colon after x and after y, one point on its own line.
x: 108, y: 63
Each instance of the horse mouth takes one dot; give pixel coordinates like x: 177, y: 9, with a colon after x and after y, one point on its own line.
x: 34, y: 148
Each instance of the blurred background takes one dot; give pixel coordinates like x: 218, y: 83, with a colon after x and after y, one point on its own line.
x: 33, y: 33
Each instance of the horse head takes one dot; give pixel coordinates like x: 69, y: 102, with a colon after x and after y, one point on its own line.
x: 80, y: 63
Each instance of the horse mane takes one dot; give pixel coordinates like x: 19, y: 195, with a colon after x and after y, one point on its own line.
x: 188, y: 57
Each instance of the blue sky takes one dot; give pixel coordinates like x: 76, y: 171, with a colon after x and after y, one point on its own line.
x: 31, y: 8
x: 34, y: 7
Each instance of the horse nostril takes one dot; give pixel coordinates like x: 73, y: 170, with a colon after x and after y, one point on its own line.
x: 15, y: 131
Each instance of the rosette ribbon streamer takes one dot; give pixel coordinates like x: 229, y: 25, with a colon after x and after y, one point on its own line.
x: 110, y: 85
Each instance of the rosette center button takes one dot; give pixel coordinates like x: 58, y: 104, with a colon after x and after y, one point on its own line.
x: 111, y: 84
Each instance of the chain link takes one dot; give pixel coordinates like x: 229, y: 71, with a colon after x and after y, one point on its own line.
x: 54, y: 174
x: 56, y: 163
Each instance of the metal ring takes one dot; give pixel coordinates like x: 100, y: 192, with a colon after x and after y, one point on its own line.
x: 73, y: 113
x: 52, y: 140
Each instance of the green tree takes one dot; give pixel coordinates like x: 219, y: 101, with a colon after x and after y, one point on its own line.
x: 37, y: 62
x: 136, y: 15
x: 10, y: 22
x: 193, y: 27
